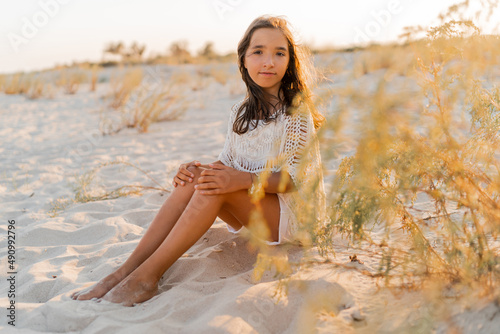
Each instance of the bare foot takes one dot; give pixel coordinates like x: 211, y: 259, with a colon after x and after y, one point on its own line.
x: 99, y: 289
x: 132, y: 290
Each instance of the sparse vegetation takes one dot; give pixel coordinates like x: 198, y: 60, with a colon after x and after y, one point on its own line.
x: 426, y: 132
x: 122, y: 86
x: 155, y: 106
x: 131, y: 55
x: 44, y: 84
x: 423, y: 123
x: 87, y: 188
x: 141, y: 102
x: 16, y: 84
x: 71, y: 79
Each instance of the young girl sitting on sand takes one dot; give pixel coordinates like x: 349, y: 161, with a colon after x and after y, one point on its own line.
x: 271, y: 135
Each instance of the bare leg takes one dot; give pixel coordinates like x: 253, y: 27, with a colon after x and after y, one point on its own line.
x: 142, y: 283
x: 160, y: 227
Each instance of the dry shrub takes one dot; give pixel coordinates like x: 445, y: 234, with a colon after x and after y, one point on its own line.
x: 220, y: 73
x: 421, y: 192
x: 89, y: 187
x: 336, y: 63
x: 148, y: 104
x: 159, y: 105
x: 142, y: 101
x: 3, y: 80
x: 444, y: 150
x: 17, y: 84
x: 39, y: 88
x: 94, y: 76
x: 70, y: 79
x: 180, y: 77
x: 86, y: 189
x: 122, y: 86
x: 32, y: 85
x: 394, y: 58
x: 36, y: 90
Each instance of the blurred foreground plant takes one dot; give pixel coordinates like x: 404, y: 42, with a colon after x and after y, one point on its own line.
x: 439, y: 146
x: 419, y: 189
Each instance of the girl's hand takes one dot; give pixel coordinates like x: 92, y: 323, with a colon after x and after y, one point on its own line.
x: 221, y: 179
x: 183, y: 174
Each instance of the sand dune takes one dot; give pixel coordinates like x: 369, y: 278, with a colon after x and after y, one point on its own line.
x: 45, y: 143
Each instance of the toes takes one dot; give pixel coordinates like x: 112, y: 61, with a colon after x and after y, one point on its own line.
x: 128, y: 303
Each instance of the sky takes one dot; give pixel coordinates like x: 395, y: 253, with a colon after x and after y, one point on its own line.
x: 38, y: 34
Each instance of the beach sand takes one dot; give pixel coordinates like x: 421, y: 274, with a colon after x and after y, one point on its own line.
x: 47, y: 143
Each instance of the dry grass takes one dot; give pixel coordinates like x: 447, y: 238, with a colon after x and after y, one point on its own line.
x: 17, y: 84
x: 44, y: 84
x: 88, y: 187
x: 94, y: 77
x: 159, y: 105
x: 40, y: 88
x: 403, y: 152
x: 70, y: 79
x: 220, y: 73
x: 122, y: 86
x: 181, y: 78
x: 421, y: 192
x: 150, y: 102
x: 395, y: 59
x: 32, y: 85
x: 3, y: 80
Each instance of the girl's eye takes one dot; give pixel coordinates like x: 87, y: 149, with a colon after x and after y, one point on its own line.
x: 281, y: 54
x: 258, y: 52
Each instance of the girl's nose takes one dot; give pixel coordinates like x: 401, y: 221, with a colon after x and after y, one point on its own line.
x: 269, y: 62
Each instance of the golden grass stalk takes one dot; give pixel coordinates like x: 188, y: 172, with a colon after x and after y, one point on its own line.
x: 86, y: 189
x: 401, y: 155
x: 94, y: 76
x: 123, y: 85
x: 160, y: 106
x: 150, y: 104
x: 32, y: 85
x: 70, y: 79
x: 3, y: 80
x: 17, y: 84
x: 421, y: 192
x: 36, y: 90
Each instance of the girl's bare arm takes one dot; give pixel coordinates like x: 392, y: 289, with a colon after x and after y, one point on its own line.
x: 273, y: 183
x: 221, y: 179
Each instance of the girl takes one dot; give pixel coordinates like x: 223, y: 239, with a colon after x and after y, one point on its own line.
x: 271, y: 134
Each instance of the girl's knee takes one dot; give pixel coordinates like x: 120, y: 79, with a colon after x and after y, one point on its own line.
x: 196, y: 171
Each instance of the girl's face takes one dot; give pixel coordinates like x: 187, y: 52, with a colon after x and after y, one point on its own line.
x: 266, y: 59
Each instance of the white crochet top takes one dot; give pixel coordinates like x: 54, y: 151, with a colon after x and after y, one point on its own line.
x: 289, y: 143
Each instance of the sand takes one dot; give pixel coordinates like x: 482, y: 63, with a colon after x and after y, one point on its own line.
x: 47, y: 142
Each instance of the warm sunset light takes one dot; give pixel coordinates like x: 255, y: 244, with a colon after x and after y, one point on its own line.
x: 40, y: 34
x: 237, y: 166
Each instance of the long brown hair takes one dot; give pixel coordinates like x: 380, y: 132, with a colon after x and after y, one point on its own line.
x: 294, y: 85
